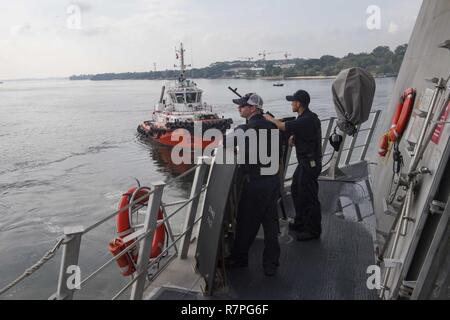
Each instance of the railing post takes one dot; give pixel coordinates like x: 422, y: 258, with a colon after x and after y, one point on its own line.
x: 333, y: 172
x: 373, y: 126
x: 348, y: 158
x: 169, y: 230
x: 150, y: 224
x: 327, y: 135
x: 286, y: 165
x: 70, y: 254
x: 193, y: 206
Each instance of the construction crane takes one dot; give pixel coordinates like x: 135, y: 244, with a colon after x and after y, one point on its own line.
x: 246, y: 58
x: 265, y: 53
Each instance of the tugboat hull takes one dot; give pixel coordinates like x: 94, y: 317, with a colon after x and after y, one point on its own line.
x: 172, y: 137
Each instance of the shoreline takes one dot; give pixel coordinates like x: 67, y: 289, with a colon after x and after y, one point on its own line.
x: 311, y: 77
x: 242, y: 78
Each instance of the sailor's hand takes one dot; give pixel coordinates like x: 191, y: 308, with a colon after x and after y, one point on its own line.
x: 268, y: 117
x: 292, y: 141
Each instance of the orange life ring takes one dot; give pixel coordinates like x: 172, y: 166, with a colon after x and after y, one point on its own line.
x: 127, y: 261
x: 384, y: 145
x: 402, y: 114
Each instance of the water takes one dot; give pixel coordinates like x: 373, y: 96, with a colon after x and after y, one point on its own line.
x: 69, y: 150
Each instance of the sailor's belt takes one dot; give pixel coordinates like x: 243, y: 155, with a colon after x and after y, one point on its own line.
x: 307, y: 156
x: 249, y: 178
x: 311, y: 162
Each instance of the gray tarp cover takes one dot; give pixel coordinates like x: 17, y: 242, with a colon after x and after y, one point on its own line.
x: 353, y: 94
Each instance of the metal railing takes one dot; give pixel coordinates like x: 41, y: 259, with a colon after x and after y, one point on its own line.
x: 331, y: 169
x: 141, y: 238
x: 144, y: 235
x: 330, y: 123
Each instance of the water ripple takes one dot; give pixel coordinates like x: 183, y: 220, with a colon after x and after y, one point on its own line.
x: 39, y: 164
x: 24, y: 184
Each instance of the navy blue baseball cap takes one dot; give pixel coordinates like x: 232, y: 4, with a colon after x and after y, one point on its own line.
x: 302, y: 96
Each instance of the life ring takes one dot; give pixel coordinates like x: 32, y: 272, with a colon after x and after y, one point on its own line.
x: 384, y: 145
x: 128, y: 261
x: 402, y: 114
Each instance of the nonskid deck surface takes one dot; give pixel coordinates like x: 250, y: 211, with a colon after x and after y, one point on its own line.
x: 332, y: 268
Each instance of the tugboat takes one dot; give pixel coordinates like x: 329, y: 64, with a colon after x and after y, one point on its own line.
x: 181, y: 107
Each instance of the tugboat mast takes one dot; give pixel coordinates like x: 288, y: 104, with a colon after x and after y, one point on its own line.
x: 182, y: 66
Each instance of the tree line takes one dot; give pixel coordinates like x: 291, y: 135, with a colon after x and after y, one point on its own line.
x: 381, y: 61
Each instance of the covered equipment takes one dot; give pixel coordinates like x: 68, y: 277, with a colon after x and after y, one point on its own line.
x: 353, y: 94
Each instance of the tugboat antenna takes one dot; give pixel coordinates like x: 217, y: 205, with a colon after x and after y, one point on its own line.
x: 183, y: 66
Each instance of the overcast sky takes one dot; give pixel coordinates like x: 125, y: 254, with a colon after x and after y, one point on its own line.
x: 49, y: 38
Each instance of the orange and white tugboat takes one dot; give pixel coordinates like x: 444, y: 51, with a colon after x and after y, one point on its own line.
x: 181, y: 107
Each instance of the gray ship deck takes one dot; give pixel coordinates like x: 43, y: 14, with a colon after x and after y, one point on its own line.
x: 332, y: 268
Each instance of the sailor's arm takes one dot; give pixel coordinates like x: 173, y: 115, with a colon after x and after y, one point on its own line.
x: 299, y: 127
x: 280, y: 124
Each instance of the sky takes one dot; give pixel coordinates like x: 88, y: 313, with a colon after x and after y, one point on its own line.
x: 59, y: 38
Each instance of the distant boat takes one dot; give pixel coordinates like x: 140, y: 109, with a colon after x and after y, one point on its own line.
x: 278, y: 84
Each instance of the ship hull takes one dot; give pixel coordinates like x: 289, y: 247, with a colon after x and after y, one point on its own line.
x: 420, y: 247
